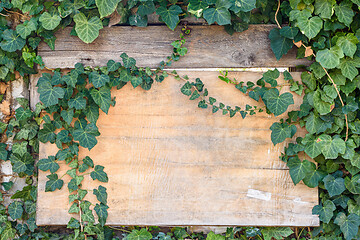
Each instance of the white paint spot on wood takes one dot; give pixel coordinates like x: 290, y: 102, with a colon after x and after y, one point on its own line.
x: 252, y: 193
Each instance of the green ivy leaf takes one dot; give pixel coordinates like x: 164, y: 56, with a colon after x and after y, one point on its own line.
x: 11, y: 41
x: 344, y: 13
x: 79, y: 102
x: 280, y: 45
x: 219, y: 15
x: 22, y: 228
x: 99, y: 174
x: 281, y: 131
x: 101, y: 211
x: 15, y: 210
x: 102, y: 98
x: 186, y: 89
x: 87, y: 30
x: 128, y: 62
x: 348, y: 44
x: 325, y: 212
x: 67, y: 115
x: 331, y: 147
x: 22, y: 164
x: 86, y: 136
x: 310, y: 26
x: 49, y: 163
x: 314, y: 124
x: 22, y: 114
x: 112, y: 66
x: 330, y: 58
x: 50, y: 95
x: 25, y: 29
x: 88, y: 161
x: 98, y: 80
x: 212, y: 236
x: 349, y: 67
x: 106, y: 7
x: 141, y: 234
x: 146, y: 8
x: 53, y: 183
x: 321, y: 106
x: 50, y: 21
x: 298, y: 169
x: 243, y: 5
x: 313, y: 178
x: 87, y: 215
x: 349, y: 225
x: 136, y: 81
x: 277, y: 104
x: 335, y: 186
x: 324, y: 8
x: 170, y: 15
x: 276, y: 232
x: 101, y: 194
x: 353, y: 184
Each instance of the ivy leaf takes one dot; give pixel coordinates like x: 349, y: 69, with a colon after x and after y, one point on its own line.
x: 22, y: 228
x: 280, y: 45
x: 281, y: 131
x: 92, y: 113
x: 22, y: 164
x: 276, y: 232
x: 321, y: 106
x: 53, y: 183
x: 87, y: 215
x: 211, y: 236
x: 325, y: 212
x: 102, y: 98
x: 330, y: 58
x: 129, y: 62
x: 349, y: 225
x: 86, y: 136
x: 11, y: 41
x: 219, y: 15
x: 186, y: 89
x: 106, y: 7
x: 50, y: 95
x: 314, y: 124
x: 243, y: 5
x: 136, y: 81
x: 331, y: 147
x: 348, y: 68
x: 289, y: 32
x: 277, y: 104
x: 344, y: 13
x: 335, y: 186
x: 16, y: 210
x: 8, y: 233
x: 310, y: 26
x: 22, y: 114
x: 298, y: 169
x: 324, y: 8
x: 348, y: 44
x: 170, y: 15
x: 79, y: 102
x: 49, y: 163
x: 88, y: 161
x: 141, y: 234
x: 271, y: 76
x: 50, y: 21
x: 313, y: 178
x: 25, y: 29
x: 101, y: 211
x: 101, y: 194
x: 146, y: 8
x: 353, y: 184
x: 99, y: 174
x: 112, y: 66
x: 98, y: 80
x: 67, y: 115
x: 87, y: 30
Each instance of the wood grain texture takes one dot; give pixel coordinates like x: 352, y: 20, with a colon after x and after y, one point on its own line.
x: 170, y: 163
x: 208, y: 47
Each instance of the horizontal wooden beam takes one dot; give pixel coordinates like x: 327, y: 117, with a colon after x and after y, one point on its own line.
x: 208, y: 47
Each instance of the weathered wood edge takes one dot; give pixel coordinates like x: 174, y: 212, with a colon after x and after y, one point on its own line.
x: 208, y: 47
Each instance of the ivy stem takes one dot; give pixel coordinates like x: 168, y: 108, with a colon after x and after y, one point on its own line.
x: 81, y: 225
x: 338, y: 93
x: 27, y: 17
x: 332, y: 81
x: 119, y: 229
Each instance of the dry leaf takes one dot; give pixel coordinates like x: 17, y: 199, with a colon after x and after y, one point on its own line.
x: 3, y: 87
x: 115, y: 18
x: 298, y: 44
x: 308, y: 51
x: 5, y: 107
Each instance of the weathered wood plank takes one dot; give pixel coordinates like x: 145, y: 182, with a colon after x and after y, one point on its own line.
x: 209, y: 47
x: 170, y: 163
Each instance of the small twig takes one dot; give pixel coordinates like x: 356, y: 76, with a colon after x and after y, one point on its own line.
x: 9, y: 11
x: 81, y: 225
x: 276, y: 13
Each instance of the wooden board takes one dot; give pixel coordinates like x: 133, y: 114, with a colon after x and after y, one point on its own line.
x: 209, y: 47
x: 171, y: 163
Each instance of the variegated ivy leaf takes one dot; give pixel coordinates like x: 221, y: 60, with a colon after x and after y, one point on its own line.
x: 106, y: 7
x: 87, y: 29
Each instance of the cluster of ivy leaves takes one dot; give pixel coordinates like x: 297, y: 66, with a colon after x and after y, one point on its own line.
x: 329, y: 112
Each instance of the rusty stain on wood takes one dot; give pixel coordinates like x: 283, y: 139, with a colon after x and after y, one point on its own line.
x: 208, y: 46
x: 170, y: 163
